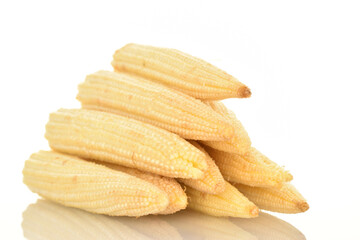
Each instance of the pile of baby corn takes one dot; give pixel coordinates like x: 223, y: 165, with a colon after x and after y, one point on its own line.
x: 152, y: 138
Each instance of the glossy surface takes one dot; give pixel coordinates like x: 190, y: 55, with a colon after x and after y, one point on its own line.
x: 47, y: 220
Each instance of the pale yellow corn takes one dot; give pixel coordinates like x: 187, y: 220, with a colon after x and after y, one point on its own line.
x: 155, y: 227
x: 212, y: 182
x: 230, y: 203
x: 111, y: 138
x: 200, y: 226
x: 77, y: 183
x: 180, y: 71
x: 177, y: 196
x: 253, y: 168
x: 269, y: 227
x: 240, y: 143
x: 284, y: 200
x: 50, y: 221
x: 153, y: 103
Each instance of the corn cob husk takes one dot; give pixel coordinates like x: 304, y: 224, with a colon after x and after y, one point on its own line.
x: 177, y: 196
x: 153, y: 103
x: 180, y: 71
x: 268, y: 227
x: 230, y: 203
x: 50, y: 221
x: 111, y: 138
x: 240, y: 143
x: 212, y: 182
x: 284, y: 200
x: 155, y: 227
x: 253, y: 168
x: 77, y: 183
x: 201, y: 226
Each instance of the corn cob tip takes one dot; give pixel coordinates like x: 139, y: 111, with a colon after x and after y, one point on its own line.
x: 303, y: 206
x: 254, y: 211
x: 182, y: 201
x: 289, y: 177
x: 244, y: 92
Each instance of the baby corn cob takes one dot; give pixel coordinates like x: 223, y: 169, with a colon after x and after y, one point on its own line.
x: 180, y: 71
x: 201, y: 226
x: 269, y: 227
x: 240, y: 143
x: 50, y: 221
x: 111, y: 138
x: 230, y: 203
x: 177, y: 196
x: 253, y: 168
x: 212, y: 182
x: 74, y: 182
x: 284, y: 200
x: 153, y: 103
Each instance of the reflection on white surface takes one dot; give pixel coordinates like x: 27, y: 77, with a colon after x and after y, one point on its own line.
x: 193, y: 225
x: 268, y: 227
x: 47, y: 220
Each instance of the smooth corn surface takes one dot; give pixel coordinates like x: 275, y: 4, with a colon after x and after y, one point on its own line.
x: 284, y: 200
x: 253, y: 168
x: 111, y: 138
x: 153, y: 103
x: 77, y: 183
x: 180, y: 71
x: 212, y: 182
x: 177, y: 196
x: 230, y: 203
x: 240, y: 143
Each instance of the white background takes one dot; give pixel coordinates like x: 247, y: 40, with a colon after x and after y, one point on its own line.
x: 300, y: 58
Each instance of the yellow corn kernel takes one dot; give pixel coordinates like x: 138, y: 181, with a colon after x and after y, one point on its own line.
x: 284, y: 200
x: 47, y: 220
x: 269, y: 227
x: 153, y: 103
x: 177, y: 196
x: 201, y: 226
x: 111, y: 138
x: 212, y: 182
x: 240, y: 143
x: 180, y: 71
x: 77, y: 183
x: 253, y: 168
x: 230, y: 203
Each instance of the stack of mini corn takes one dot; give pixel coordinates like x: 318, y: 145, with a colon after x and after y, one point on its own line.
x: 151, y: 138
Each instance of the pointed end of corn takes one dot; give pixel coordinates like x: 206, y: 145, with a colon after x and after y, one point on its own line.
x: 244, y: 92
x: 182, y: 202
x: 303, y: 206
x: 201, y: 163
x: 175, y: 205
x: 288, y: 177
x: 254, y: 212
